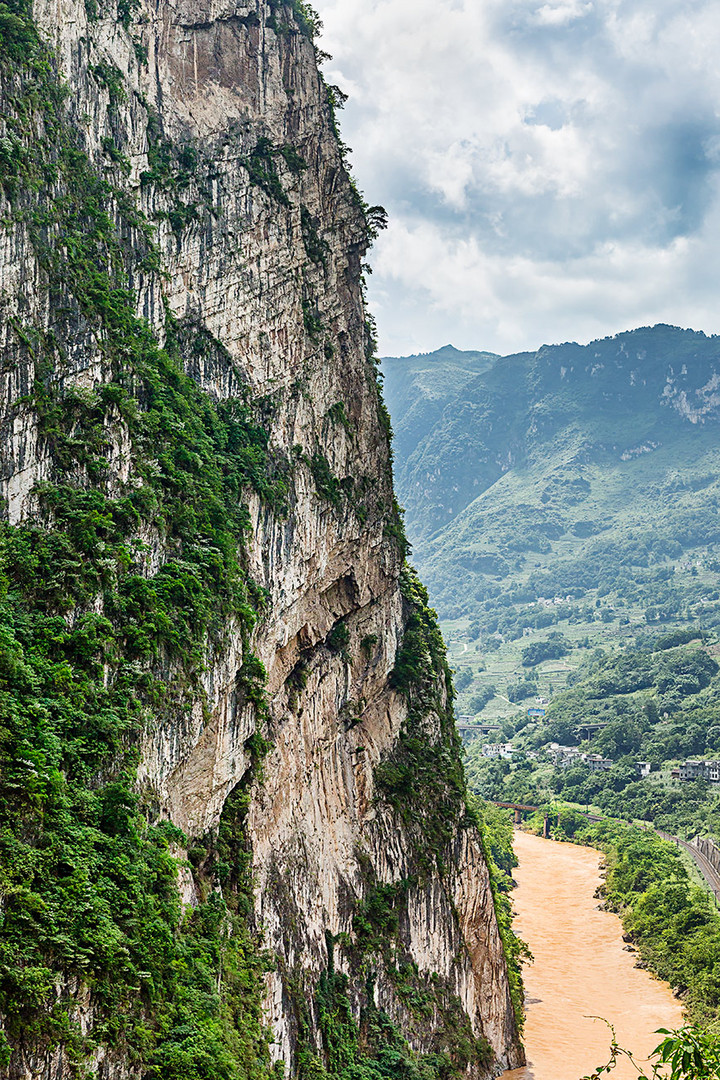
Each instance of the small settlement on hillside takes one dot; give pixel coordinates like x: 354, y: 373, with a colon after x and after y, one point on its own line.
x: 698, y: 770
x: 567, y: 757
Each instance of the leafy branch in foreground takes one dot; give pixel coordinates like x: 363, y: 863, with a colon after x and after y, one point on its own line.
x: 687, y: 1053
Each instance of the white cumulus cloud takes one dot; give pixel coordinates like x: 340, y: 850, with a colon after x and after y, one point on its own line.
x: 561, y: 13
x: 551, y: 169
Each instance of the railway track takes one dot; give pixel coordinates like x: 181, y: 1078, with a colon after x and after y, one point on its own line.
x: 708, y: 871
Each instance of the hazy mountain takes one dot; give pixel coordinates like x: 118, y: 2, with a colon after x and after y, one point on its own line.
x: 417, y: 389
x: 574, y: 470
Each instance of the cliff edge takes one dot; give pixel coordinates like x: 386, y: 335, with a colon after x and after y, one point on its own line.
x: 234, y: 839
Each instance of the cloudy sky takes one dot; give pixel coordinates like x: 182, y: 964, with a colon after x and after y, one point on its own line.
x: 551, y: 169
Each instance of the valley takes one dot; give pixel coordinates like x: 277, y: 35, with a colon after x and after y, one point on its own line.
x: 240, y: 836
x: 563, y: 508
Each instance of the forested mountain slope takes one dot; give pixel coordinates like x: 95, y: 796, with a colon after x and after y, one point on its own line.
x: 417, y: 390
x: 579, y: 471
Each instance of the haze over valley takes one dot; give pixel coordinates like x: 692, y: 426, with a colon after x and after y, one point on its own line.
x: 563, y: 509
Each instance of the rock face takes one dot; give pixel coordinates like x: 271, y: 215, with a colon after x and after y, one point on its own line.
x: 212, y: 116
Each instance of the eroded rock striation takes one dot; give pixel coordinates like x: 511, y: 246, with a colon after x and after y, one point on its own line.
x: 235, y: 837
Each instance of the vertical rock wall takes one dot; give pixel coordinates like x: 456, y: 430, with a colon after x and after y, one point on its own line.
x: 212, y: 115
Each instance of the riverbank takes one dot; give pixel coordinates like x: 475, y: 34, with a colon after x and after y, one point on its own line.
x: 581, y: 969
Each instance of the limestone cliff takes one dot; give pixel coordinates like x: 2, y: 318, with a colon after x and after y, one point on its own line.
x: 212, y: 657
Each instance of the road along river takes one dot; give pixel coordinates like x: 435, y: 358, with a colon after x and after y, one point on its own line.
x: 580, y: 970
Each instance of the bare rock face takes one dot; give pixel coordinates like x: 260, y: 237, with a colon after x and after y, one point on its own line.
x: 211, y: 114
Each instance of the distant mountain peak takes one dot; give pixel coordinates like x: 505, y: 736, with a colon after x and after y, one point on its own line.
x: 445, y: 352
x: 466, y: 421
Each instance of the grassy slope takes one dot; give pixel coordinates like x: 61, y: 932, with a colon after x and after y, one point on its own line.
x: 559, y: 473
x: 417, y: 389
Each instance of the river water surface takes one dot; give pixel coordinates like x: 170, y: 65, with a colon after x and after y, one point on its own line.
x: 580, y: 970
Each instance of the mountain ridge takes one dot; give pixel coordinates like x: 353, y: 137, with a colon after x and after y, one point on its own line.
x: 537, y: 378
x: 572, y: 489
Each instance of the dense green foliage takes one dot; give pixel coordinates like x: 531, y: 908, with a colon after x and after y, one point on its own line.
x: 551, y: 649
x: 688, y: 1053
x: 672, y: 922
x: 423, y: 776
x: 463, y: 679
x: 497, y: 834
x: 94, y: 646
x: 305, y: 18
x: 659, y: 703
x: 372, y: 1048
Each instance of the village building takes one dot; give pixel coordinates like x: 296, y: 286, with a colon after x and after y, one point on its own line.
x: 564, y: 756
x: 597, y: 763
x: 699, y: 770
x: 498, y: 750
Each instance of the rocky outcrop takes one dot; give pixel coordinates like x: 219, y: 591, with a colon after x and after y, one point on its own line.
x: 212, y: 117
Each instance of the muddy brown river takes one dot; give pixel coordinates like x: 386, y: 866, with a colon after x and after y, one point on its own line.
x: 580, y: 969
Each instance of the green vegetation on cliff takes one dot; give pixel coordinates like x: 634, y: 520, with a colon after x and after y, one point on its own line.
x: 371, y: 1047
x: 423, y: 777
x: 497, y: 834
x: 423, y: 780
x: 92, y: 646
x: 99, y: 643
